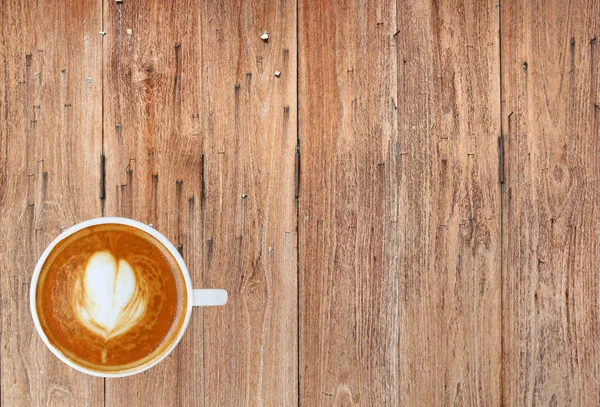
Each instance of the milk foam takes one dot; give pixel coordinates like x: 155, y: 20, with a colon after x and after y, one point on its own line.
x: 108, y: 299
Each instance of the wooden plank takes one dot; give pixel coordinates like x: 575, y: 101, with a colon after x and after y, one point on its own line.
x: 153, y: 147
x: 449, y: 206
x: 200, y: 141
x: 249, y: 218
x: 400, y: 203
x: 49, y: 169
x: 348, y: 291
x: 550, y: 68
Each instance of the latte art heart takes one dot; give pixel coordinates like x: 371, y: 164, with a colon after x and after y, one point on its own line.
x: 108, y: 298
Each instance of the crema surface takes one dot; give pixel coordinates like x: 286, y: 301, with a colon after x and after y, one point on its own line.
x: 111, y: 297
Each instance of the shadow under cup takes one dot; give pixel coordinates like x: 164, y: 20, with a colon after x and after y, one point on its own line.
x: 110, y: 299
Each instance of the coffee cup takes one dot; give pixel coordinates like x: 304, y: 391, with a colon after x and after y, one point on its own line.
x: 105, y: 288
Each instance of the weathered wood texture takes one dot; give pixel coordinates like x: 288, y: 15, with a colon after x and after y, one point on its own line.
x: 153, y: 150
x: 250, y: 218
x: 50, y: 145
x: 550, y: 77
x: 200, y: 140
x: 421, y: 281
x: 400, y: 203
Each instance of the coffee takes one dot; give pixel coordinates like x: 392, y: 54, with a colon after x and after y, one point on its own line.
x: 111, y: 298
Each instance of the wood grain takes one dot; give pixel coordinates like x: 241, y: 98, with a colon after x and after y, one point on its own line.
x: 153, y: 149
x: 49, y: 153
x: 376, y: 248
x: 449, y: 264
x: 249, y: 217
x: 400, y: 203
x: 200, y: 141
x: 550, y: 76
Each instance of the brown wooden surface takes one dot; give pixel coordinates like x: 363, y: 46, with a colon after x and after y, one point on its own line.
x: 351, y: 206
x: 550, y: 77
x: 400, y: 203
x: 50, y: 143
x: 199, y: 139
x: 153, y: 150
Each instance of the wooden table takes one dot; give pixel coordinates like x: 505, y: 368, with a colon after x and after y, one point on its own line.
x: 401, y: 197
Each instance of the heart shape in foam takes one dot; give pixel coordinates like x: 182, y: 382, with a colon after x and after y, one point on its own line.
x: 108, y: 299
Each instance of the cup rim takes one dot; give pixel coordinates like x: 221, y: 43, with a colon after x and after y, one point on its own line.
x: 103, y: 221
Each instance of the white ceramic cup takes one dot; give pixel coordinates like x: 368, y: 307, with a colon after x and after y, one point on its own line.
x: 204, y: 297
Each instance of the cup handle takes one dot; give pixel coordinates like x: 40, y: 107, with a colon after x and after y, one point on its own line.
x: 209, y: 297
